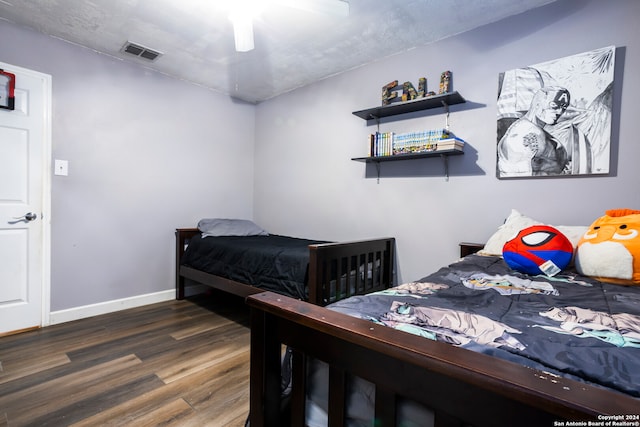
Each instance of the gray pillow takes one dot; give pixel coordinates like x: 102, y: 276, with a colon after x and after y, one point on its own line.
x: 229, y: 227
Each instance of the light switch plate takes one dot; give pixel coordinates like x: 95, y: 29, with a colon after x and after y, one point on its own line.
x: 61, y: 167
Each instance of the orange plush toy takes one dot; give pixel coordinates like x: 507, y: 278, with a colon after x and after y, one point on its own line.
x: 610, y: 249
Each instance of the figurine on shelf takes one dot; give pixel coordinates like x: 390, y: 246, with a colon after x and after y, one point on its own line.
x: 422, y: 87
x: 445, y: 82
x: 408, y: 92
x: 387, y: 95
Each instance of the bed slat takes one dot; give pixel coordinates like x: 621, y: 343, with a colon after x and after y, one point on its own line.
x: 336, y: 270
x: 298, y: 385
x: 337, y: 398
x: 385, y: 407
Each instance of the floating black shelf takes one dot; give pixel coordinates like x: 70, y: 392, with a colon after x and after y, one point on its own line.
x: 435, y: 101
x: 378, y: 159
x: 443, y: 154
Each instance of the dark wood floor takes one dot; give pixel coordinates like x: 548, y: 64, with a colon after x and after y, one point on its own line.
x: 176, y: 363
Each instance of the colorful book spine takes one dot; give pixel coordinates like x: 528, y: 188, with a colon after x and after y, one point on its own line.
x: 391, y: 144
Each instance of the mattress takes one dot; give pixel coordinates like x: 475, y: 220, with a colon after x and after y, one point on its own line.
x: 275, y: 263
x: 567, y: 325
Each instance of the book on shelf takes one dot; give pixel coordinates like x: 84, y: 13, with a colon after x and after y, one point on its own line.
x: 381, y: 144
x: 450, y: 144
x: 391, y: 144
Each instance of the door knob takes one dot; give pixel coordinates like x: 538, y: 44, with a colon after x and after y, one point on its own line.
x: 30, y: 216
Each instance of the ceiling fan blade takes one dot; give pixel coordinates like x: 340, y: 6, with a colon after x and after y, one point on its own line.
x: 328, y: 7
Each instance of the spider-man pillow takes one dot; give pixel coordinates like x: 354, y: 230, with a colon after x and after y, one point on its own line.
x: 610, y: 249
x: 539, y: 249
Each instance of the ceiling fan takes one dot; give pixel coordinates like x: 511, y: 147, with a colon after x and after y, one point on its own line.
x: 243, y: 12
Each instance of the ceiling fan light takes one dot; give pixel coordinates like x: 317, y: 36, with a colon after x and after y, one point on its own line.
x: 243, y: 32
x: 338, y: 8
x: 243, y: 12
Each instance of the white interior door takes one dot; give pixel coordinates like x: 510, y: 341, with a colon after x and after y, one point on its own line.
x: 25, y: 165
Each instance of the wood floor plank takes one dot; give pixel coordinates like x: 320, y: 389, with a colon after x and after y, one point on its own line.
x: 81, y: 406
x: 65, y: 390
x: 115, y: 346
x: 207, y: 360
x: 227, y: 387
x: 177, y: 363
x: 14, y: 369
x: 223, y: 398
x: 114, y: 331
x: 48, y: 340
x: 198, y: 361
x: 171, y: 414
x: 129, y: 412
x: 202, y: 325
x: 51, y: 375
x: 135, y: 408
x: 184, y: 350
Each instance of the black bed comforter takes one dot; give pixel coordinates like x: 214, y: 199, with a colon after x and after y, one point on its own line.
x: 569, y: 325
x: 274, y: 263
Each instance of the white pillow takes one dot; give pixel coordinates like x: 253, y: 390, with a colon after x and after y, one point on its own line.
x: 516, y: 222
x: 573, y: 232
x: 229, y: 227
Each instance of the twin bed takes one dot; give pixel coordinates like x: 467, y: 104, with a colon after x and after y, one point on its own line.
x: 473, y: 344
x: 237, y: 256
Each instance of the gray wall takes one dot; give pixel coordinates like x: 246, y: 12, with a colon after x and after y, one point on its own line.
x: 147, y: 153
x: 306, y: 184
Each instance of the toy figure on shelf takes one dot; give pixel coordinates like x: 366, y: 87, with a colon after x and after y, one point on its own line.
x: 445, y: 82
x: 408, y: 92
x: 422, y: 87
x: 387, y: 95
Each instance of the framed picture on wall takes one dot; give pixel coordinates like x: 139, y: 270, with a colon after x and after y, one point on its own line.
x: 7, y: 87
x: 554, y: 118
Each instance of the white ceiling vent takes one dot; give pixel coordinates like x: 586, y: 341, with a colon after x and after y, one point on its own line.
x: 140, y: 51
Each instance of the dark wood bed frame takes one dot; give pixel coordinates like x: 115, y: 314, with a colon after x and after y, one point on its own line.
x: 341, y: 258
x: 461, y: 387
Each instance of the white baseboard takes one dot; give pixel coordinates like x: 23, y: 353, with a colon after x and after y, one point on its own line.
x: 91, y: 310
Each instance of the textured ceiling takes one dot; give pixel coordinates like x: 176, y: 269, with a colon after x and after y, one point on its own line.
x: 293, y: 48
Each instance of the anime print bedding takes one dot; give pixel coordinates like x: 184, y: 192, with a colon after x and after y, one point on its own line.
x: 568, y: 325
x: 271, y: 262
